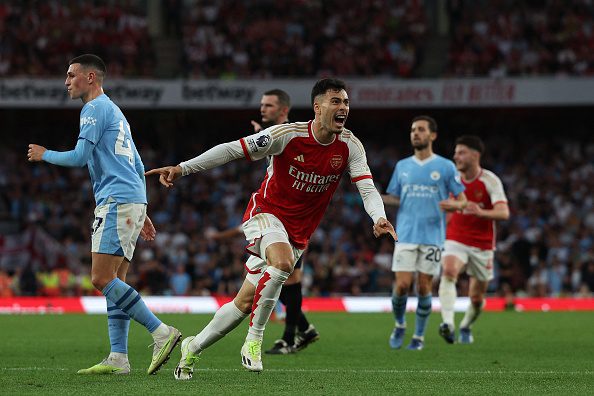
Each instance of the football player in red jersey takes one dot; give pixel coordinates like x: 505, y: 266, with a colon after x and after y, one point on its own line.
x: 307, y: 161
x: 470, y: 237
x: 274, y: 110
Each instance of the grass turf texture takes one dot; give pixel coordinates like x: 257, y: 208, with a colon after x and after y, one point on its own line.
x: 513, y: 353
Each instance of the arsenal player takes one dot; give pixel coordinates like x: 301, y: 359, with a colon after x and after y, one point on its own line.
x: 307, y: 160
x: 470, y: 237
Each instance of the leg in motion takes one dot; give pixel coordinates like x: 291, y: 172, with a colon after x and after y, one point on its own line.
x: 280, y: 259
x: 118, y: 323
x: 403, y: 280
x: 424, y: 283
x: 448, y: 295
x: 477, y: 292
x: 227, y: 318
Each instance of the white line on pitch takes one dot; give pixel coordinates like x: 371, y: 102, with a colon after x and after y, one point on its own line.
x: 365, y: 371
x: 33, y: 369
x: 397, y: 371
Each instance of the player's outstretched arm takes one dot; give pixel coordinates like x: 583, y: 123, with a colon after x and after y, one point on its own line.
x: 167, y: 174
x: 77, y: 157
x: 212, y: 158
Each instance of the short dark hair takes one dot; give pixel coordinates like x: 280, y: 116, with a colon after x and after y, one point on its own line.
x: 471, y: 141
x: 283, y: 97
x: 91, y: 60
x: 430, y: 120
x: 323, y: 85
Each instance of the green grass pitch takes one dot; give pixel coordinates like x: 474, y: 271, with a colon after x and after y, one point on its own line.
x: 513, y: 353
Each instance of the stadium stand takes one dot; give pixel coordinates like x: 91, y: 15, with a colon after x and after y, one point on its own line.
x: 524, y: 38
x: 278, y: 38
x: 36, y: 36
x: 264, y: 39
x: 230, y: 39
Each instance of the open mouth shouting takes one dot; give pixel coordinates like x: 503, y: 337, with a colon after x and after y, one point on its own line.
x: 339, y: 120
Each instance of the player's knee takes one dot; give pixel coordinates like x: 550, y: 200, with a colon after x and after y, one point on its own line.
x: 450, y: 274
x: 100, y: 281
x: 424, y: 290
x: 283, y: 264
x: 243, y: 304
x: 476, y: 300
x: 402, y: 288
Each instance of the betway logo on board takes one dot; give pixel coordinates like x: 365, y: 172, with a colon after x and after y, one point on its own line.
x: 366, y: 93
x: 310, y: 181
x: 215, y: 92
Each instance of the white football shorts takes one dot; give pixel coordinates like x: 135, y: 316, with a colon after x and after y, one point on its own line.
x: 410, y: 257
x: 261, y: 231
x: 479, y: 262
x: 116, y: 228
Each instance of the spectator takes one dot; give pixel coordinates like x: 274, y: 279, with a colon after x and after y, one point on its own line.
x: 180, y: 282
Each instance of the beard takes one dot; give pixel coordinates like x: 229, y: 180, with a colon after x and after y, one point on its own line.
x: 420, y: 145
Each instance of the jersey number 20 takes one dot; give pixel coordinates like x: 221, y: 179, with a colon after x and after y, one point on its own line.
x: 123, y: 144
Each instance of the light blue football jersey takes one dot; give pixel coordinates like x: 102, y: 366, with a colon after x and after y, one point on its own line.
x: 421, y: 185
x: 115, y: 165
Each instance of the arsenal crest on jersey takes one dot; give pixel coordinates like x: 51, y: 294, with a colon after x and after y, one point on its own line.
x: 336, y: 161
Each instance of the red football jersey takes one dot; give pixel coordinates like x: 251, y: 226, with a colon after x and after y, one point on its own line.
x: 302, y: 174
x: 486, y: 190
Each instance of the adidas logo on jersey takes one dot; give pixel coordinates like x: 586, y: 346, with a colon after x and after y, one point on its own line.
x: 299, y: 158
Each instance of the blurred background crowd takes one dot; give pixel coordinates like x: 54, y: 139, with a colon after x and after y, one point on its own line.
x: 287, y: 38
x: 543, y: 157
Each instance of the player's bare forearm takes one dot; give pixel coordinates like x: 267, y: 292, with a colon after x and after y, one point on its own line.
x: 499, y: 212
x: 461, y: 201
x: 390, y: 200
x: 226, y: 234
x: 454, y: 204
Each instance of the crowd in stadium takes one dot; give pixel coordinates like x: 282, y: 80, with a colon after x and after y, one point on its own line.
x: 545, y: 249
x: 231, y: 39
x: 265, y: 39
x: 35, y: 36
x: 511, y: 38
